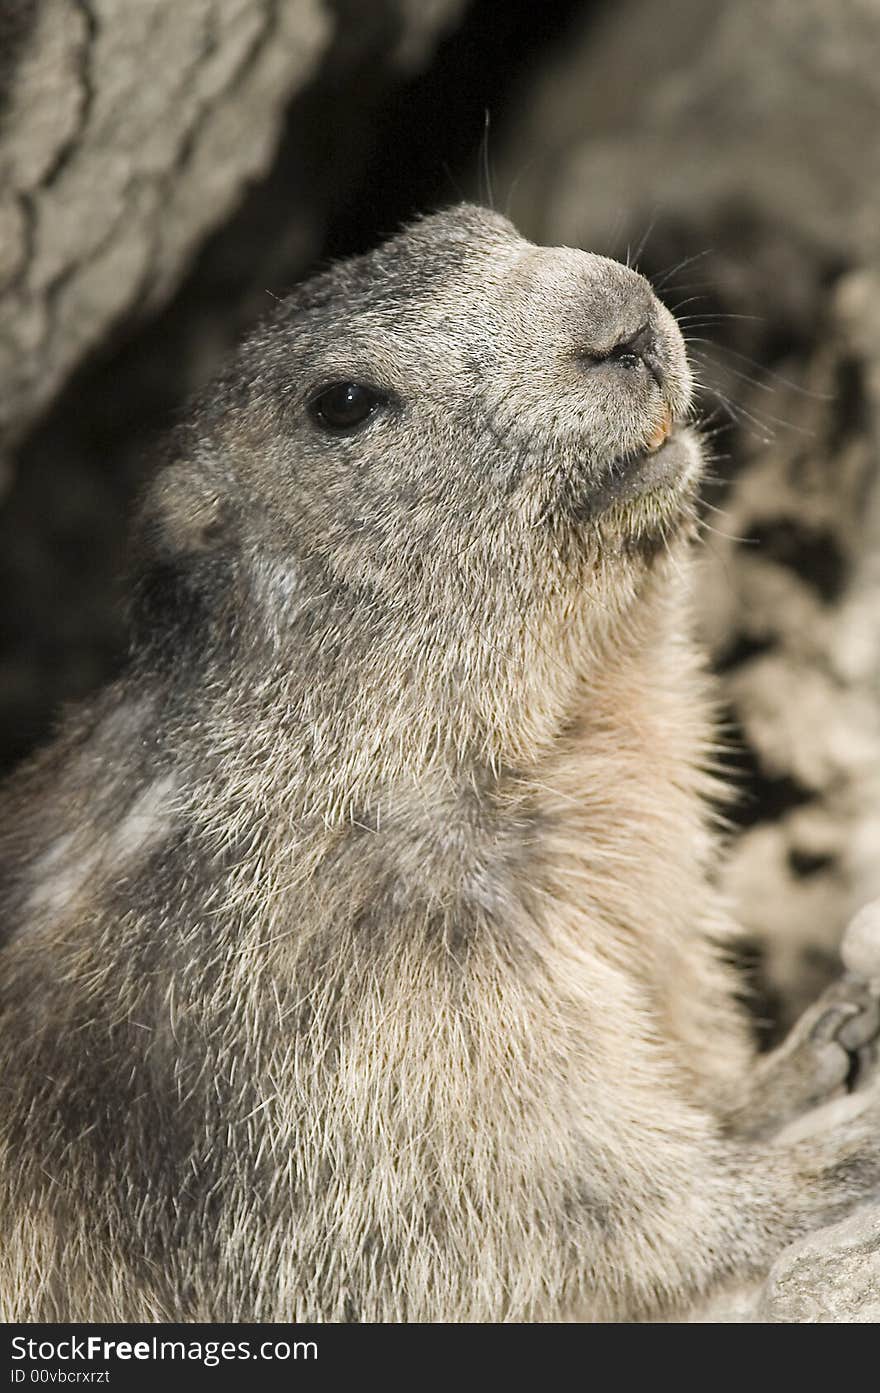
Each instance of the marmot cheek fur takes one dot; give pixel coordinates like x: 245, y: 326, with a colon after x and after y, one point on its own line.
x: 361, y: 956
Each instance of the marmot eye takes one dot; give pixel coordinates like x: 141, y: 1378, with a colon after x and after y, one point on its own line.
x: 344, y: 405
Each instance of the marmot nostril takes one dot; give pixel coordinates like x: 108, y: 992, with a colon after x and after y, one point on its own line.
x: 637, y: 347
x: 632, y: 351
x: 640, y: 349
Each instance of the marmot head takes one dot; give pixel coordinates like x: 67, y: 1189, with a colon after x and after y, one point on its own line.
x: 463, y: 444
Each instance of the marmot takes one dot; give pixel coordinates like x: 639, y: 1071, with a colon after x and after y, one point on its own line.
x: 362, y: 958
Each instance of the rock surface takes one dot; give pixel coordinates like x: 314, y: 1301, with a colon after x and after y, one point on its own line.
x: 860, y: 949
x: 791, y: 604
x: 831, y: 1276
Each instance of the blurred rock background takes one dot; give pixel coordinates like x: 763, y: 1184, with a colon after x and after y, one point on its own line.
x: 166, y: 168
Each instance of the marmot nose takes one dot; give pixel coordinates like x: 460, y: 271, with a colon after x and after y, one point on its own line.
x: 634, y: 351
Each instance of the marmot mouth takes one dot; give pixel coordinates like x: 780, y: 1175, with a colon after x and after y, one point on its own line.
x: 660, y: 466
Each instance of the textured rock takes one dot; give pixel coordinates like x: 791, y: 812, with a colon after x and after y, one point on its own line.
x: 831, y: 1276
x: 712, y: 113
x: 860, y: 949
x: 800, y: 598
x: 129, y: 132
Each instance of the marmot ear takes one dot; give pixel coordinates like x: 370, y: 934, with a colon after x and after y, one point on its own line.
x: 183, y: 566
x: 185, y: 514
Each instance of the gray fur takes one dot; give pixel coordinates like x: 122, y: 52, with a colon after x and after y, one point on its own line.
x: 361, y: 953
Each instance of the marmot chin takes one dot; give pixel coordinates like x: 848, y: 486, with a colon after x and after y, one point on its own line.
x: 362, y: 957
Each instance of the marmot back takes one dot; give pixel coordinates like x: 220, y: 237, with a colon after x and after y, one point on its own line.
x: 361, y: 958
